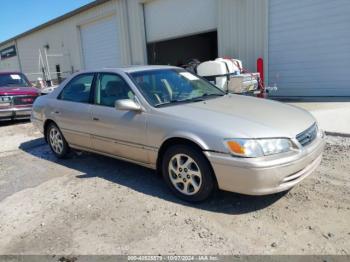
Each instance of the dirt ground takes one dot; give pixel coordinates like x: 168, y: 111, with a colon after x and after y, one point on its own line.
x: 90, y: 204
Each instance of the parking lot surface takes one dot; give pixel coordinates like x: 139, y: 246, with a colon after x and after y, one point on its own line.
x: 89, y: 204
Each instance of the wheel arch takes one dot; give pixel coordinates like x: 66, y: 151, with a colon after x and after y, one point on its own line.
x: 46, y: 125
x: 179, y: 141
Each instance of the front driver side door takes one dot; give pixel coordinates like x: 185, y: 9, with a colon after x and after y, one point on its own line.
x: 116, y: 132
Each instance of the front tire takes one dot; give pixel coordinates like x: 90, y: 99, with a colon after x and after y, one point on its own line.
x: 188, y: 173
x: 57, y: 142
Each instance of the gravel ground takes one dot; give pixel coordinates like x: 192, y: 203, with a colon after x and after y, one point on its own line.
x: 90, y: 204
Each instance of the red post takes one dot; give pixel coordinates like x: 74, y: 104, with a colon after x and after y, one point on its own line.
x: 260, y: 69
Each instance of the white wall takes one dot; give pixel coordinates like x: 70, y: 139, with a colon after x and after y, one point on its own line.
x: 241, y: 26
x: 64, y: 38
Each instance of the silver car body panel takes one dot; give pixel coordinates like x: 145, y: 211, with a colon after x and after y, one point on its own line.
x: 120, y: 133
x: 138, y: 136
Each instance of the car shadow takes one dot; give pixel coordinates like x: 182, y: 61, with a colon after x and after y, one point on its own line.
x: 13, y: 122
x: 146, y: 181
x: 311, y: 99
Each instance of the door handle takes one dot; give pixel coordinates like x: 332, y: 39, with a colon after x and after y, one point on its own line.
x: 95, y: 119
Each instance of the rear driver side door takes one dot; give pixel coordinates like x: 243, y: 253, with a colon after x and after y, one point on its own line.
x: 72, y: 110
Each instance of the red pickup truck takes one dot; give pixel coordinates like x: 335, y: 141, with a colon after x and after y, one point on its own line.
x: 16, y: 96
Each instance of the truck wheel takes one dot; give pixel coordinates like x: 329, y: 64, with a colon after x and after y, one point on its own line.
x: 188, y: 173
x: 57, y: 142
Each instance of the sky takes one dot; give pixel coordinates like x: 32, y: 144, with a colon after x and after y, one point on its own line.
x: 18, y: 16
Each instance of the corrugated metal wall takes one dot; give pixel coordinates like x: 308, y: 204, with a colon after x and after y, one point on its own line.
x: 242, y: 30
x: 137, y: 32
x: 241, y: 33
x: 309, y: 47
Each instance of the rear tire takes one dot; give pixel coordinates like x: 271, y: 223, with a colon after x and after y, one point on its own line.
x: 188, y: 173
x: 56, y: 141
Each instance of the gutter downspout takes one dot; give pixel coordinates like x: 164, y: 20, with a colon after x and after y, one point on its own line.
x: 18, y: 57
x: 266, y: 43
x: 131, y: 60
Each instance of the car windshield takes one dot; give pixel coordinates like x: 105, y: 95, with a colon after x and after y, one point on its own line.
x: 13, y: 79
x: 173, y: 86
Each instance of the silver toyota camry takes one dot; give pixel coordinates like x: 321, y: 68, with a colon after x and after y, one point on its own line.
x: 195, y: 135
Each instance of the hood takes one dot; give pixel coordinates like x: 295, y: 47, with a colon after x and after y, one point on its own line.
x: 236, y: 116
x: 18, y: 90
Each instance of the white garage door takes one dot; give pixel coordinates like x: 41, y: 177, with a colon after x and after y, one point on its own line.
x: 166, y: 19
x: 100, y: 44
x: 309, y: 47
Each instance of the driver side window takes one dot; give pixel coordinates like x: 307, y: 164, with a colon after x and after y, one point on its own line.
x: 111, y: 87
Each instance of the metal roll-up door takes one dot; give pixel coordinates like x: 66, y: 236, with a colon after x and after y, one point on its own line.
x: 309, y: 47
x: 100, y: 44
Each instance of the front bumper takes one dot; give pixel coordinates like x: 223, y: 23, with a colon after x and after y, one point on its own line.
x: 15, y: 113
x: 266, y: 175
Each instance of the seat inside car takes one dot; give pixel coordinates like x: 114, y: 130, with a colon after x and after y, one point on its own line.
x: 115, y: 90
x: 147, y: 89
x: 77, y: 92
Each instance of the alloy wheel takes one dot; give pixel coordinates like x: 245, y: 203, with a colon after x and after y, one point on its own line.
x: 185, y: 174
x: 56, y: 140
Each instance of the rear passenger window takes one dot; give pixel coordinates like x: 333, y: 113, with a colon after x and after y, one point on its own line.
x: 78, y: 89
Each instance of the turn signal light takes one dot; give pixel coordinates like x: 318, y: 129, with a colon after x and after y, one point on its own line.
x: 235, y: 147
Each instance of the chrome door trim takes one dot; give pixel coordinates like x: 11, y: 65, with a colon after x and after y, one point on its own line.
x: 147, y: 165
x: 125, y: 143
x: 107, y: 139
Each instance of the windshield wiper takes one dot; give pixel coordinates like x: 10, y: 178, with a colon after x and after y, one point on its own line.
x: 177, y: 101
x: 210, y: 95
x: 194, y: 99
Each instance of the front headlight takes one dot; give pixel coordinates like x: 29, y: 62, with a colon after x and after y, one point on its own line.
x: 258, y: 147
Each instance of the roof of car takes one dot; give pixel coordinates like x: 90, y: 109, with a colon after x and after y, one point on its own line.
x: 131, y: 69
x: 10, y: 72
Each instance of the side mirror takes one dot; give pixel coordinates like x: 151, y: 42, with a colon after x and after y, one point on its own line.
x: 127, y: 105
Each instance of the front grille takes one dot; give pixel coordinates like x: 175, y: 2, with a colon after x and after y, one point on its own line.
x: 23, y: 100
x: 5, y: 101
x: 308, y: 136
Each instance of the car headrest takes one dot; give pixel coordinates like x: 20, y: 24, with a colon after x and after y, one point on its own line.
x: 114, y: 88
x: 78, y: 88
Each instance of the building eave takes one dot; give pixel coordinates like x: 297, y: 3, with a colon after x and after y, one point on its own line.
x: 56, y: 20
